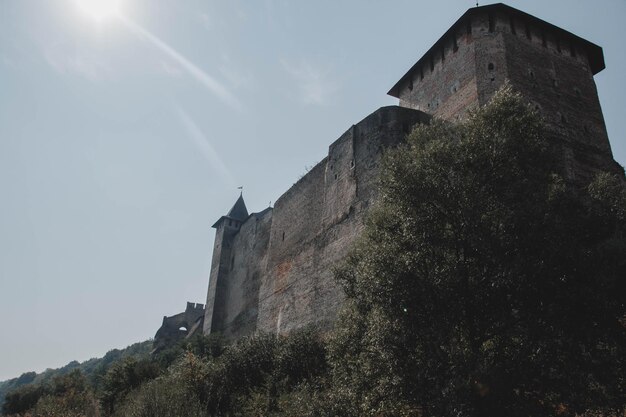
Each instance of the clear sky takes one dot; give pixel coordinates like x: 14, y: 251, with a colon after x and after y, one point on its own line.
x: 123, y: 139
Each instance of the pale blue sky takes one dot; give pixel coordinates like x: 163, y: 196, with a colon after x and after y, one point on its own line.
x: 122, y: 141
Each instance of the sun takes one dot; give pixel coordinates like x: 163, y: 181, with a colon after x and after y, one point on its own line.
x: 100, y: 9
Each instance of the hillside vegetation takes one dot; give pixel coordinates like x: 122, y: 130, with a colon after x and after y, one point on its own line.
x: 93, y: 369
x: 483, y: 285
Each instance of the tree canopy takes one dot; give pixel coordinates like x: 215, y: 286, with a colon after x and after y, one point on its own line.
x: 485, y: 284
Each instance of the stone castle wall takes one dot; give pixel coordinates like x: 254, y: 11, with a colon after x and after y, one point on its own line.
x: 552, y: 68
x: 248, y: 258
x: 272, y: 272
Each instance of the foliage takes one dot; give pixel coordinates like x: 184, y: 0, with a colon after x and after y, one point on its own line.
x: 123, y: 377
x: 68, y: 396
x: 484, y: 284
x: 253, y: 376
x: 64, y: 395
x: 210, y: 346
x: 22, y: 399
x: 22, y: 393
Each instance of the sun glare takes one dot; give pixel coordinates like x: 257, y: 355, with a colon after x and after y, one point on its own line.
x: 99, y: 9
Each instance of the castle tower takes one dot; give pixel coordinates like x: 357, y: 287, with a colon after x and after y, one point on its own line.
x: 226, y: 228
x: 551, y: 67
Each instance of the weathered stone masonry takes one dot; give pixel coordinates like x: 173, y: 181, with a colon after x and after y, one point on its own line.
x: 272, y: 271
x: 553, y: 68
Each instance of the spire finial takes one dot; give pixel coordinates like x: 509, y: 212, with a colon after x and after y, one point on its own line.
x: 241, y: 190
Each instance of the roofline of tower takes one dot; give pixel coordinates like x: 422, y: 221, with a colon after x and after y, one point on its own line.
x: 217, y: 223
x: 596, y: 56
x: 242, y: 221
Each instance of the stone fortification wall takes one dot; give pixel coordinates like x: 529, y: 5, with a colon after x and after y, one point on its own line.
x: 320, y: 217
x: 551, y: 67
x: 272, y: 272
x: 217, y: 296
x: 555, y: 74
x: 180, y: 326
x: 248, y: 259
x: 443, y: 82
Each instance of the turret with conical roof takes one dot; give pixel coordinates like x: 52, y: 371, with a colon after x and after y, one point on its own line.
x: 226, y: 228
x: 236, y: 215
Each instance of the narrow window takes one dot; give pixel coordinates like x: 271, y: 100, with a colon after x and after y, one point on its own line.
x: 512, y: 23
x: 490, y: 67
x: 492, y: 24
x: 411, y: 83
x: 335, y: 176
x: 352, y: 164
x: 455, y: 46
x: 283, y: 236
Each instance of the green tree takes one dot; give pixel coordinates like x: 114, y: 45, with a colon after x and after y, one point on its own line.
x: 123, y: 377
x: 22, y: 399
x: 67, y: 395
x: 484, y: 284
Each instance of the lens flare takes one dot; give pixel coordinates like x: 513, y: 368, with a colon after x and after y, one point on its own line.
x: 99, y: 9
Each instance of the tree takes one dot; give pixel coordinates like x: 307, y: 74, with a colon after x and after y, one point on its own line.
x: 123, y: 377
x: 67, y: 395
x: 484, y: 284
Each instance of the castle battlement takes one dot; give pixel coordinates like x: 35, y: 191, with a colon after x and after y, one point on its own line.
x: 272, y: 271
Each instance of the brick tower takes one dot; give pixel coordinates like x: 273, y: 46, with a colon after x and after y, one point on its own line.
x: 551, y: 67
x: 221, y: 264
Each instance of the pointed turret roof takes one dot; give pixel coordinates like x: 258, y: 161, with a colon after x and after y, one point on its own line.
x: 239, y: 210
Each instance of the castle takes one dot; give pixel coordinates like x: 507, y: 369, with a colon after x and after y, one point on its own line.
x: 272, y: 271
